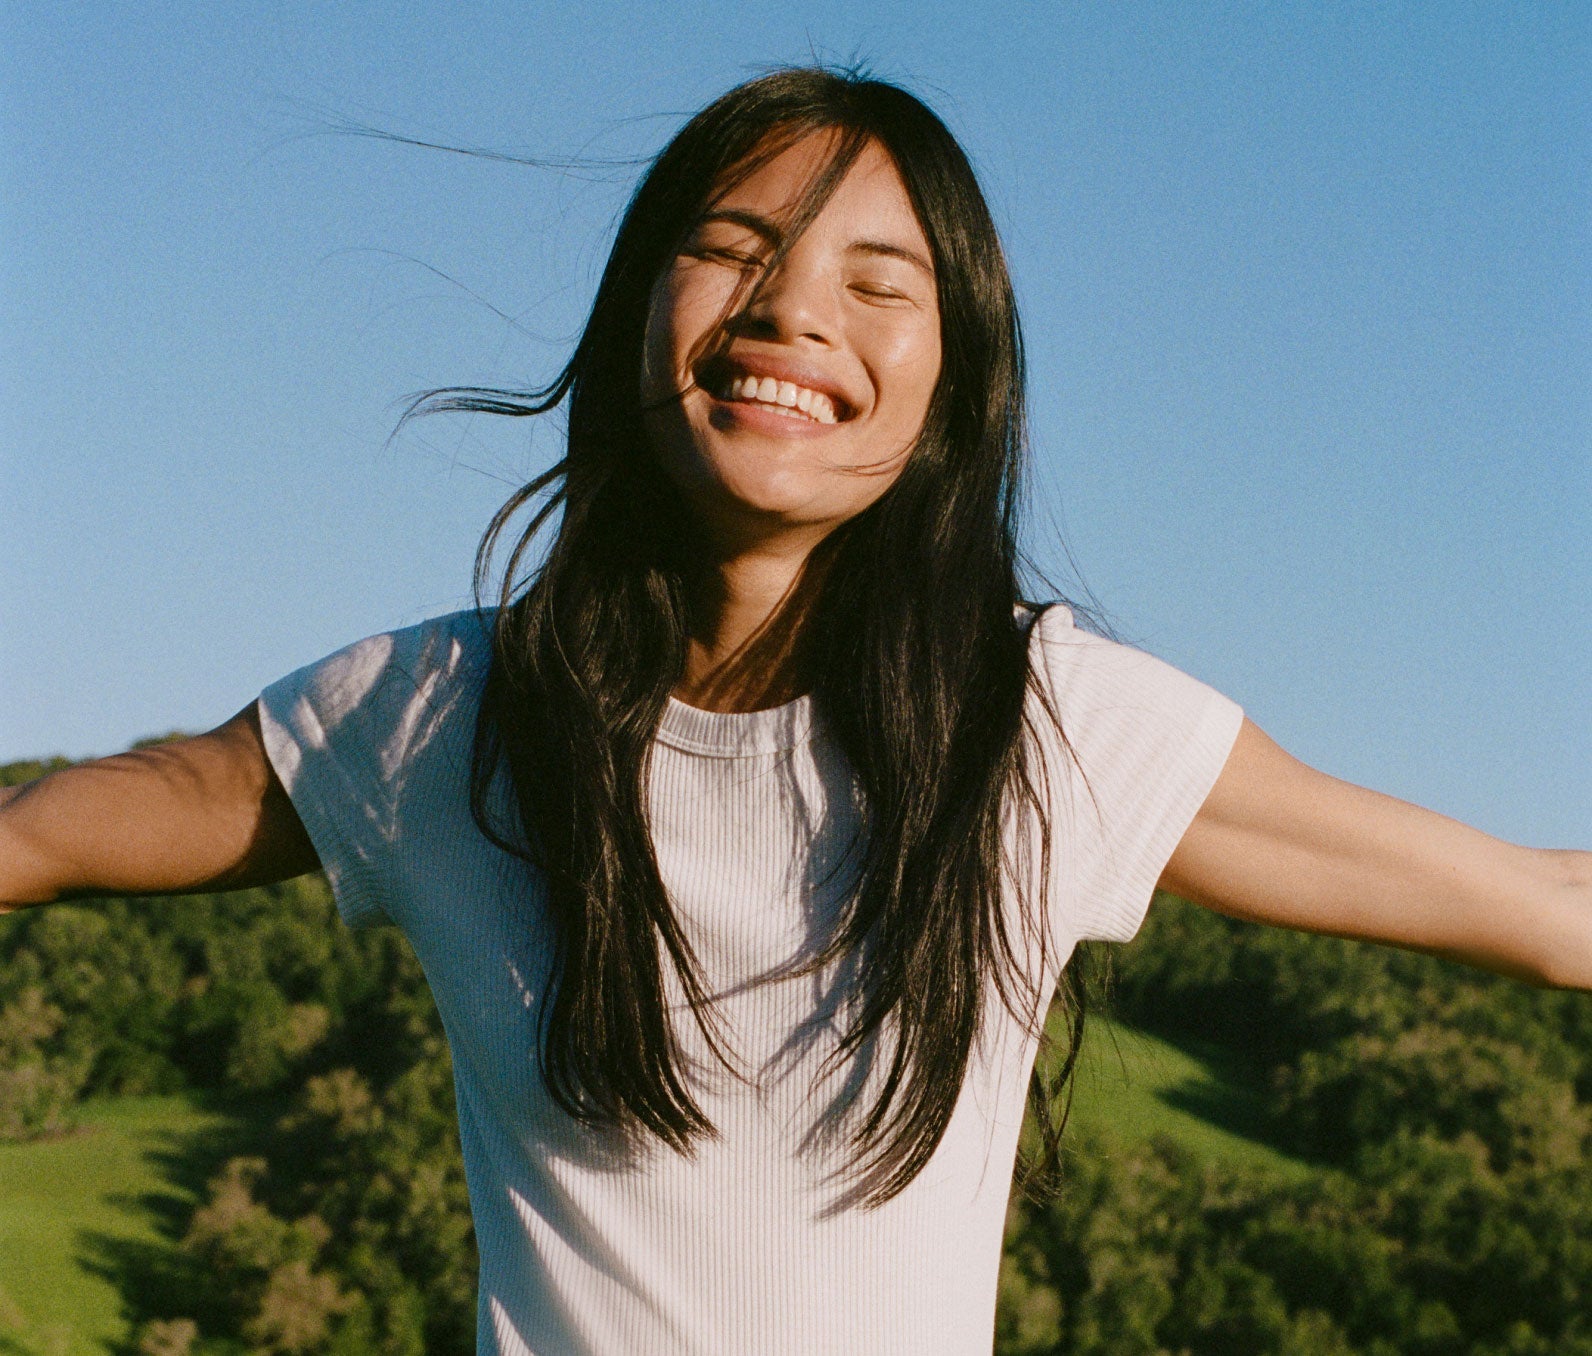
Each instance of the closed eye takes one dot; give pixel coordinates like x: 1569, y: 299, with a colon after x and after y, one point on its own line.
x: 736, y: 258
x: 879, y: 292
x: 725, y: 256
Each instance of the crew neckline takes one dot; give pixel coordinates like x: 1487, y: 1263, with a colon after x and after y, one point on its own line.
x: 737, y: 734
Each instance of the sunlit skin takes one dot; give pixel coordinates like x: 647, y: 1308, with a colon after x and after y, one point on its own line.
x: 851, y: 312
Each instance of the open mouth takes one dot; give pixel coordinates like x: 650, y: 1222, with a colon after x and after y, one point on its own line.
x: 785, y: 395
x: 734, y: 384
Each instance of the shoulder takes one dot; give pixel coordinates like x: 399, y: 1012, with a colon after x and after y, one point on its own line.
x: 1059, y: 645
x: 392, y: 666
x: 371, y: 737
x: 1066, y: 655
x: 425, y: 653
x: 380, y: 699
x: 1130, y: 747
x: 1111, y: 698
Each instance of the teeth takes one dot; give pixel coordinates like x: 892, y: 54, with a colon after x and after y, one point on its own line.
x: 786, y: 394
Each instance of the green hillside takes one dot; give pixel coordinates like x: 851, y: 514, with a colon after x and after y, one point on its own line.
x: 1133, y: 1087
x: 78, y: 1211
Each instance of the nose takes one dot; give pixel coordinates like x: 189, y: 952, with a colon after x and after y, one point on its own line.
x: 793, y: 301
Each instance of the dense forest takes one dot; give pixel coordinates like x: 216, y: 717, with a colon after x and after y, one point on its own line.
x: 1446, y: 1116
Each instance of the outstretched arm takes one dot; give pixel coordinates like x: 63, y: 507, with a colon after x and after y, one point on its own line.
x: 206, y: 813
x: 1278, y: 842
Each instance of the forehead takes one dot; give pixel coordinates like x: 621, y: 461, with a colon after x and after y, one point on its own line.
x: 870, y: 202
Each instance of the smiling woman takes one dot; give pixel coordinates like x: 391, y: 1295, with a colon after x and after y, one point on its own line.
x: 788, y: 375
x: 747, y: 840
x: 787, y: 372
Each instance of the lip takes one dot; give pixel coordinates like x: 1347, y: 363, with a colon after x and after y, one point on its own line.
x: 715, y: 373
x: 751, y: 416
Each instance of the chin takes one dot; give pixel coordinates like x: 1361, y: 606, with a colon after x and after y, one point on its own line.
x: 799, y: 506
x: 754, y: 489
x: 760, y: 506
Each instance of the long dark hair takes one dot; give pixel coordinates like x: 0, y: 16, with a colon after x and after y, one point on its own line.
x: 913, y: 647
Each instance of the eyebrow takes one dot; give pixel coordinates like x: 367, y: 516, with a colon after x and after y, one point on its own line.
x: 770, y: 232
x: 885, y: 248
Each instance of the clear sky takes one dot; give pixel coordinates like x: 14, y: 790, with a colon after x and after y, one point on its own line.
x: 1306, y: 290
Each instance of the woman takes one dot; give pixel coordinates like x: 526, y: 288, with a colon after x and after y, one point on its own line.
x: 745, y: 843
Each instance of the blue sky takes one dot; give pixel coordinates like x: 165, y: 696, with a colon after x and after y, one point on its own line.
x: 1306, y: 291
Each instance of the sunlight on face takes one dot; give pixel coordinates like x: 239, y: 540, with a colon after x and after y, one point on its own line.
x: 785, y: 412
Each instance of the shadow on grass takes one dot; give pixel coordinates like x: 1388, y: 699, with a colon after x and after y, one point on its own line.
x: 159, y: 1280
x: 1227, y: 1093
x: 1239, y: 1111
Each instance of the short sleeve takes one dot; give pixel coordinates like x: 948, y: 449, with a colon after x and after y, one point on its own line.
x: 346, y: 736
x: 1142, y: 744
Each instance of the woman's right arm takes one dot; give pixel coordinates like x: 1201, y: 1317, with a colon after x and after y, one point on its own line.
x: 206, y: 813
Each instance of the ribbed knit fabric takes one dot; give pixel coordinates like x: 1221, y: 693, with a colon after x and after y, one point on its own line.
x: 593, y: 1245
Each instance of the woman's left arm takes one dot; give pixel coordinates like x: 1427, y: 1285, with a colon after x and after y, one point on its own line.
x: 1278, y: 842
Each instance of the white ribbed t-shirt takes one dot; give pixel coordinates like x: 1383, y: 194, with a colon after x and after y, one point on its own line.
x: 592, y: 1244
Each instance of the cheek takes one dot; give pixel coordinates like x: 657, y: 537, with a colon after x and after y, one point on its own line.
x: 933, y: 359
x: 915, y: 358
x: 684, y: 313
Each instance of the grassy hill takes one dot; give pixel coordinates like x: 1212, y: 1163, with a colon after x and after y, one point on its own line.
x: 79, y: 1212
x: 1132, y: 1086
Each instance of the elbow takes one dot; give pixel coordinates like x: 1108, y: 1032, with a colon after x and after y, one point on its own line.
x: 1565, y: 978
x: 8, y: 906
x: 28, y: 875
x: 24, y: 892
x: 1569, y: 972
x: 1568, y: 869
x: 1565, y: 960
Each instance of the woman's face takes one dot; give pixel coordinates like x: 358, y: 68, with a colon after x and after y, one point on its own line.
x: 790, y: 411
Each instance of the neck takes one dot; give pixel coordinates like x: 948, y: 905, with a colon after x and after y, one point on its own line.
x: 747, y: 612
